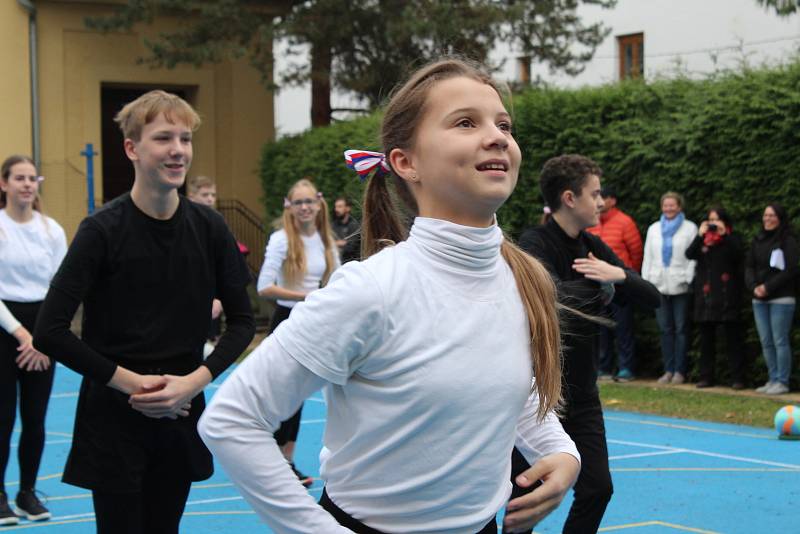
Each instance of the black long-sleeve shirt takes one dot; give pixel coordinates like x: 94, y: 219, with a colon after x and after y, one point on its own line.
x: 778, y: 282
x: 558, y: 251
x: 147, y: 286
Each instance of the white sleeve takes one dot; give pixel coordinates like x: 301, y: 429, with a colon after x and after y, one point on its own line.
x: 274, y: 256
x: 8, y: 322
x: 647, y: 261
x: 238, y: 425
x: 337, y: 327
x: 536, y: 439
x: 691, y: 264
x: 60, y: 247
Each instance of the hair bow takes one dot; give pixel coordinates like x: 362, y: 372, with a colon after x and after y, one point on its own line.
x: 364, y: 162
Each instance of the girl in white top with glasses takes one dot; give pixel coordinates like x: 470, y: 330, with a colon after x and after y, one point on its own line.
x: 299, y: 259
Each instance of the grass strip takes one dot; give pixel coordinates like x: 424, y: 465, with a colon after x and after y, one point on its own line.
x: 688, y: 404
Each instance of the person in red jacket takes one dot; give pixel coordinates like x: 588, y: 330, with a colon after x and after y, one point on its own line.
x: 619, y: 232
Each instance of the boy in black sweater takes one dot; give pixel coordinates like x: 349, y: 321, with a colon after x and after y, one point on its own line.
x: 588, y: 276
x: 146, y: 268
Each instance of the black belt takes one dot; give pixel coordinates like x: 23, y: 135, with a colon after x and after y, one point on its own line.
x: 346, y: 520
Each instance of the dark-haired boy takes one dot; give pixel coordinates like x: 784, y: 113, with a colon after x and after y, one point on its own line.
x: 146, y: 268
x: 588, y: 276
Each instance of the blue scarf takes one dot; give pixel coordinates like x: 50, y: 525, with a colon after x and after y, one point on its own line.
x: 668, y: 229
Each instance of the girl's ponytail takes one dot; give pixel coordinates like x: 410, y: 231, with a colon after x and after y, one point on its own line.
x: 381, y: 225
x: 538, y: 294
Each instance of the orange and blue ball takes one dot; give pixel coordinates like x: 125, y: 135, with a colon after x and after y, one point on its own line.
x: 787, y: 422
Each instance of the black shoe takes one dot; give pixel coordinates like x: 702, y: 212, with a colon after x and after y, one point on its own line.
x: 305, y: 480
x: 7, y: 517
x: 30, y: 507
x: 704, y: 384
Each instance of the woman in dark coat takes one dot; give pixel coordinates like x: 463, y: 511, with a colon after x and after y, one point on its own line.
x: 718, y: 285
x: 771, y: 276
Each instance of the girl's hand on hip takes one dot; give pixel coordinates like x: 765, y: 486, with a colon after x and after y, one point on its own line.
x: 558, y: 473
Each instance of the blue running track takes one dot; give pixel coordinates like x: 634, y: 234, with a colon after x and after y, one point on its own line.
x: 670, y: 476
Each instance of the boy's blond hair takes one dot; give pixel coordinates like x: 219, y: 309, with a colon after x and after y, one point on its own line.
x: 194, y: 185
x: 144, y: 110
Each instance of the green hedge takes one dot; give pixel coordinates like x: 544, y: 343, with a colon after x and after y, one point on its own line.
x: 732, y: 139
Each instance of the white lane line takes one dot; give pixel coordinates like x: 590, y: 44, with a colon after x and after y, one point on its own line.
x: 705, y: 453
x: 642, y: 455
x: 53, y: 442
x: 687, y: 427
x: 66, y: 395
x: 220, y: 499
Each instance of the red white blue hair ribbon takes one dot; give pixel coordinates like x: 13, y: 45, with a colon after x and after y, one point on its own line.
x: 364, y: 162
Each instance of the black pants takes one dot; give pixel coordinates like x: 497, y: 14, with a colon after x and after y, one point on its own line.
x: 708, y: 350
x: 34, y: 394
x: 584, y: 424
x: 156, y: 509
x: 346, y: 520
x: 291, y: 427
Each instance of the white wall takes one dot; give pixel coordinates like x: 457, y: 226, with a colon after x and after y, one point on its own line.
x: 686, y: 30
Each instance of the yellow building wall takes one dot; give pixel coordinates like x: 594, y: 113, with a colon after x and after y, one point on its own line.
x: 74, y: 62
x: 15, y: 103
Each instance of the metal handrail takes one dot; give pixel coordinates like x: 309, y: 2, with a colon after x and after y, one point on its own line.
x: 248, y: 228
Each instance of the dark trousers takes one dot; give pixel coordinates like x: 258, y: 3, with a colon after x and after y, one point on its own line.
x: 733, y: 346
x: 584, y: 424
x: 291, y: 427
x: 156, y: 509
x: 34, y: 394
x: 623, y: 335
x: 346, y: 520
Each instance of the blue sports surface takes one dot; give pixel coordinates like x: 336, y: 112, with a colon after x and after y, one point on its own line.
x: 670, y: 476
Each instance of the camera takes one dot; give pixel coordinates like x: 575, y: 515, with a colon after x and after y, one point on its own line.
x: 712, y: 227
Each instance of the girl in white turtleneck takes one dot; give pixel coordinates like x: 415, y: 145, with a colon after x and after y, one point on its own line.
x: 427, y: 350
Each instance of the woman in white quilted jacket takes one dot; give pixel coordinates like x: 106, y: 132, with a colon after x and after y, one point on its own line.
x: 666, y: 266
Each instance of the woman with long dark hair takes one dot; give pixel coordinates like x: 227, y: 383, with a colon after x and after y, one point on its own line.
x: 771, y: 277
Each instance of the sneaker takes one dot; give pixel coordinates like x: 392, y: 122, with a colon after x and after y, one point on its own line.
x: 777, y: 388
x: 704, y: 384
x: 30, y: 507
x: 7, y: 517
x: 305, y: 480
x: 678, y: 378
x: 605, y: 377
x: 624, y: 375
x: 665, y: 378
x: 764, y: 388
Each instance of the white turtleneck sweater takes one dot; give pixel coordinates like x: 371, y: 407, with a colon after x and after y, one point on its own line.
x: 427, y: 381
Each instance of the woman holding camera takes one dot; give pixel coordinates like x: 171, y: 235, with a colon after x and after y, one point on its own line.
x: 719, y: 254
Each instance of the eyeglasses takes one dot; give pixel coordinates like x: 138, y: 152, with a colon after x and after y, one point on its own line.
x: 300, y: 202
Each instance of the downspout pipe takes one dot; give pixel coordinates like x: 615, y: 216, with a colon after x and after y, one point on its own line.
x: 28, y: 6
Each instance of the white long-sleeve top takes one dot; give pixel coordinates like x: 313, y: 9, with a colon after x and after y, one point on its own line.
x: 424, y: 356
x: 675, y: 279
x: 30, y: 254
x: 275, y: 254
